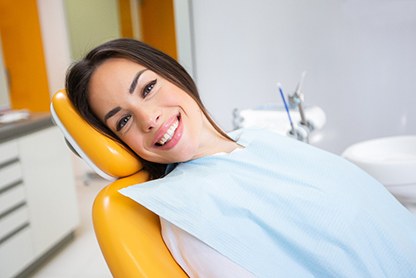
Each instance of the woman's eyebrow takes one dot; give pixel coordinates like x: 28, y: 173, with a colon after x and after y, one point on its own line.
x: 111, y: 113
x: 134, y: 82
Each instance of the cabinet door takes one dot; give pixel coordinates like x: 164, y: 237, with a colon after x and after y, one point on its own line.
x: 50, y: 185
x: 16, y: 250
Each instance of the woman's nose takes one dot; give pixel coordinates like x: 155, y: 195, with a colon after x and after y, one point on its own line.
x: 149, y: 119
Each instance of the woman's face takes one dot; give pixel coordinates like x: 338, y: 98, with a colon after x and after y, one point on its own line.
x: 158, y: 120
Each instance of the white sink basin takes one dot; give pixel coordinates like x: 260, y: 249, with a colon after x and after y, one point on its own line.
x: 391, y: 160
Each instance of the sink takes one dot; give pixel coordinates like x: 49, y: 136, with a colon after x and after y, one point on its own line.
x: 275, y: 118
x: 391, y: 160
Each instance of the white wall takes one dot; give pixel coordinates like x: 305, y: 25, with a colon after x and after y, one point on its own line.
x: 184, y: 34
x: 55, y: 42
x: 360, y: 57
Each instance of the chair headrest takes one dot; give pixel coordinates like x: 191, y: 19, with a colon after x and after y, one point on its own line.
x: 110, y: 159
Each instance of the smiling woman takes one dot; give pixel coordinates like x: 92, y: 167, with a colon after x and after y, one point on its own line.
x: 147, y: 81
x: 298, y: 218
x: 155, y: 118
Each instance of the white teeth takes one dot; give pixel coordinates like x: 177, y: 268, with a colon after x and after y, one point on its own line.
x: 169, y: 133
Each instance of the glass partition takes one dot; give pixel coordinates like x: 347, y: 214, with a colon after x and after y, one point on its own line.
x: 4, y: 88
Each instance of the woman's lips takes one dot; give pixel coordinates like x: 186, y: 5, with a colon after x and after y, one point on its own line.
x: 170, y: 133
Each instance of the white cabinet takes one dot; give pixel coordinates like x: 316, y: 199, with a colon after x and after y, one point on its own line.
x: 38, y: 206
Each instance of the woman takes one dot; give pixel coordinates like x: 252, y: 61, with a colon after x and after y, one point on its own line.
x: 246, y: 204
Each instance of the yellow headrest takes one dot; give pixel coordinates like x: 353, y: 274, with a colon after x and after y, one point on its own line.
x: 108, y: 158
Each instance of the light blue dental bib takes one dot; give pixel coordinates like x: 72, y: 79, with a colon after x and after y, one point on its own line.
x: 282, y: 208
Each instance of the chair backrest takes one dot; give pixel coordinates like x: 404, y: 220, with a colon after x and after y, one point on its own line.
x: 105, y: 156
x: 129, y: 235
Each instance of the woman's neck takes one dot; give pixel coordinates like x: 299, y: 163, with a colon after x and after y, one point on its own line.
x: 215, y: 142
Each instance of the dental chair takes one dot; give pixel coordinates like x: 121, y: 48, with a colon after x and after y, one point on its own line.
x: 129, y: 235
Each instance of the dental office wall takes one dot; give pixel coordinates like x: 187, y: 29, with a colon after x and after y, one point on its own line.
x: 359, y: 56
x: 91, y: 23
x: 23, y: 55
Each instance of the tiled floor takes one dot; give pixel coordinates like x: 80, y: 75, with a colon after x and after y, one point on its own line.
x: 81, y: 258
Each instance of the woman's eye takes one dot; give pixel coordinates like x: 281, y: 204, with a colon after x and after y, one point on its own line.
x: 149, y: 87
x: 122, y: 122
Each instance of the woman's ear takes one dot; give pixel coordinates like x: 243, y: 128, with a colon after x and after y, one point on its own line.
x: 107, y: 157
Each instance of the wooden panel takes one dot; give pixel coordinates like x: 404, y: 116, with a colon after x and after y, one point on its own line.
x: 158, y: 25
x: 23, y: 55
x: 126, y: 27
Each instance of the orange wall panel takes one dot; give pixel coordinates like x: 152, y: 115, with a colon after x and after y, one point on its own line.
x: 23, y: 55
x: 124, y: 9
x: 158, y: 25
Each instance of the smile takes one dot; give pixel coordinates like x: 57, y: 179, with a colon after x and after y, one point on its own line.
x: 169, y: 134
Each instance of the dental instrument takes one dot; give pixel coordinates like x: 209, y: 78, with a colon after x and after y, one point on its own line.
x: 297, y: 99
x: 300, y: 134
x: 279, y: 85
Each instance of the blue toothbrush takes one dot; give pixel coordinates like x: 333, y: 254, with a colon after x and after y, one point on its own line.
x: 292, y: 131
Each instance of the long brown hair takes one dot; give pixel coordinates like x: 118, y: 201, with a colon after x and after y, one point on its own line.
x: 79, y: 75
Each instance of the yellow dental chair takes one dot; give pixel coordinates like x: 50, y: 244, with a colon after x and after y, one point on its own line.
x: 129, y: 235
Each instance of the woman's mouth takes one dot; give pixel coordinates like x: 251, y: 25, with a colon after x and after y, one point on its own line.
x: 169, y: 134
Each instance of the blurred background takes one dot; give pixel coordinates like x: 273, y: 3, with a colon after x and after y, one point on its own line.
x: 359, y: 55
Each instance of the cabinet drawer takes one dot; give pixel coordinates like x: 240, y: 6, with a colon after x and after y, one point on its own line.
x: 12, y: 197
x: 10, y: 174
x: 13, y: 221
x: 16, y: 253
x: 8, y: 152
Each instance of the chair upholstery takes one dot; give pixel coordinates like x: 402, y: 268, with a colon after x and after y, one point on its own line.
x: 108, y: 158
x: 129, y: 235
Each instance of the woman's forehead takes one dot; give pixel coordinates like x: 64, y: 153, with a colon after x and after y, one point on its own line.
x: 114, y: 65
x: 114, y: 73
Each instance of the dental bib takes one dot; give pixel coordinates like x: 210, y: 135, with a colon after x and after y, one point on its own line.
x: 282, y: 208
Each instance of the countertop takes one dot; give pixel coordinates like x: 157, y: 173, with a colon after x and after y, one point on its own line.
x: 35, y: 122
